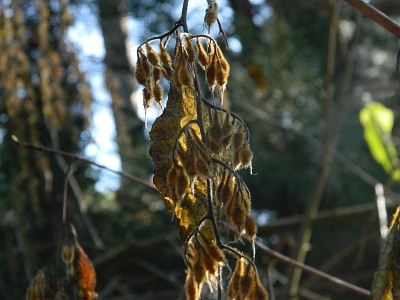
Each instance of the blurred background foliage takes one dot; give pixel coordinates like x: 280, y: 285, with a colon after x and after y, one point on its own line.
x: 278, y: 85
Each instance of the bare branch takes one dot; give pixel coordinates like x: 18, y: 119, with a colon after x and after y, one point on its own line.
x: 84, y: 160
x: 376, y: 15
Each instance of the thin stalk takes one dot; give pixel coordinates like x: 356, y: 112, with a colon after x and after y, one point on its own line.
x: 314, y: 202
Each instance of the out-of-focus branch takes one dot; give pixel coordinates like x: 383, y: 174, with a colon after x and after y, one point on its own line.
x: 376, y: 15
x: 84, y: 160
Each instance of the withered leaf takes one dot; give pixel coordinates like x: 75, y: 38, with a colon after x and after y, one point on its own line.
x: 180, y: 109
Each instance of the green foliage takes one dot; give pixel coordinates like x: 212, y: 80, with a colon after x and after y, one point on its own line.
x: 377, y: 121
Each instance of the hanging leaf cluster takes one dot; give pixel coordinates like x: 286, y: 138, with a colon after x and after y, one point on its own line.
x: 197, y: 148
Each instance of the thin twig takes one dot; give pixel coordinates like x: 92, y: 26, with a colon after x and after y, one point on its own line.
x: 84, y: 160
x: 376, y: 15
x: 291, y: 262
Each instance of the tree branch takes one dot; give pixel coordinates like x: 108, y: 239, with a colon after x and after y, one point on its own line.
x: 84, y: 160
x: 376, y: 15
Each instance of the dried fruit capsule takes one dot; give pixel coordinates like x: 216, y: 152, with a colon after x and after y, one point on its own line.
x: 192, y: 288
x: 247, y: 282
x: 184, y: 76
x: 211, y: 73
x: 189, y: 50
x: 157, y: 92
x: 181, y: 183
x: 152, y: 56
x: 202, y: 57
x: 142, y: 72
x: 166, y: 62
x: 233, y: 286
x: 211, y: 15
x: 259, y: 292
x: 222, y: 69
x: 147, y: 99
x: 250, y: 226
x: 199, y: 270
x: 156, y: 73
x: 238, y: 138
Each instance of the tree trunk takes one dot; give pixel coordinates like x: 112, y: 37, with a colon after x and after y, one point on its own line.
x: 120, y: 83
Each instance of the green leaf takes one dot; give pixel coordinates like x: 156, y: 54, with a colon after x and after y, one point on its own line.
x: 377, y: 121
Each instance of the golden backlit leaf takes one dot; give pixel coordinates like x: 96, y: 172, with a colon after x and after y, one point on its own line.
x: 180, y: 109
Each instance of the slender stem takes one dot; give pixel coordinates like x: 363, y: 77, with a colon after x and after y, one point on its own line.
x: 315, y: 200
x: 182, y: 21
x: 376, y: 15
x: 84, y: 160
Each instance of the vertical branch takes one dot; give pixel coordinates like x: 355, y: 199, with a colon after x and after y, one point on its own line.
x: 314, y: 202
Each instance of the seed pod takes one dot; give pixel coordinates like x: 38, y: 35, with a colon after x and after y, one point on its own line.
x: 233, y: 286
x: 157, y: 92
x: 204, y: 169
x: 192, y: 288
x: 189, y: 50
x: 181, y: 183
x: 211, y: 15
x: 147, y: 99
x: 210, y: 264
x: 222, y: 69
x: 246, y: 199
x: 177, y: 65
x: 166, y: 62
x: 245, y: 156
x: 238, y: 138
x: 211, y: 72
x: 259, y: 292
x: 250, y: 226
x: 184, y: 76
x: 227, y: 191
x: 152, y: 56
x: 142, y: 72
x: 165, y: 58
x: 202, y: 57
x: 199, y: 270
x: 156, y: 73
x: 212, y: 250
x: 237, y: 212
x: 67, y: 253
x: 247, y: 281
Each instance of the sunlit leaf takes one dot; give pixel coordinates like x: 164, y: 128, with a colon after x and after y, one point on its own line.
x: 377, y: 121
x: 180, y: 109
